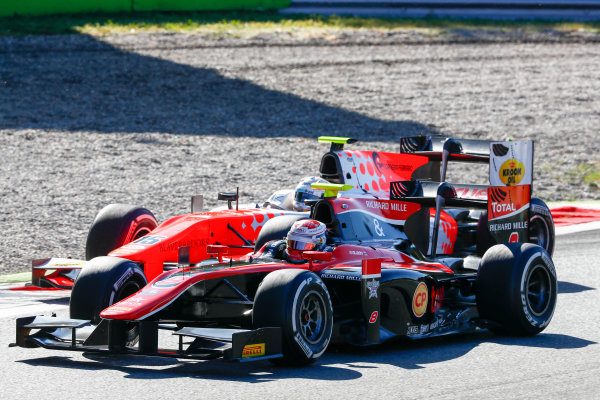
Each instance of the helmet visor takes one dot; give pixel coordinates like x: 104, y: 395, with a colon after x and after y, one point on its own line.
x: 300, y: 246
x: 303, y: 196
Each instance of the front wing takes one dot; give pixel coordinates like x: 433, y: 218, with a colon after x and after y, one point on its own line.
x: 110, y: 336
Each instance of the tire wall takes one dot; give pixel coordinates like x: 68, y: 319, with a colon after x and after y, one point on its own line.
x: 10, y: 8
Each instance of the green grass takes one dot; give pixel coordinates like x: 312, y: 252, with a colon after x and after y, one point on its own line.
x: 585, y: 173
x: 238, y: 24
x: 16, y: 278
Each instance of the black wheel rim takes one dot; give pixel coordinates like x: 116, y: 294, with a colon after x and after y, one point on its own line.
x: 538, y: 290
x: 539, y: 232
x: 132, y: 329
x: 312, y: 317
x: 127, y: 290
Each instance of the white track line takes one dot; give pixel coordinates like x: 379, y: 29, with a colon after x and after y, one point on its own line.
x: 24, y: 303
x: 588, y: 226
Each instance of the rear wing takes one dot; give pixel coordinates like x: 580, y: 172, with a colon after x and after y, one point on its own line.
x: 506, y: 200
x: 59, y: 273
x: 417, y: 174
x: 422, y: 158
x: 444, y: 149
x: 433, y: 147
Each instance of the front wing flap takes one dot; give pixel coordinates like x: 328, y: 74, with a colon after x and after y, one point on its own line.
x: 110, y: 336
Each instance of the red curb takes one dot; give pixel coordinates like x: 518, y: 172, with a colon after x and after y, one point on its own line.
x: 569, y: 215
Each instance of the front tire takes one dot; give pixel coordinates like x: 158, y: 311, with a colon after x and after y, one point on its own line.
x: 116, y: 225
x: 517, y: 287
x: 102, y: 282
x: 298, y: 302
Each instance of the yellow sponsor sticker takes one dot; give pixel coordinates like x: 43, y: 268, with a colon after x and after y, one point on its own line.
x: 512, y: 172
x: 420, y: 298
x: 67, y: 264
x: 253, y: 350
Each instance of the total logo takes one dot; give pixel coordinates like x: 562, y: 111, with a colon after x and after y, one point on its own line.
x: 512, y: 172
x: 499, y: 208
x: 420, y: 297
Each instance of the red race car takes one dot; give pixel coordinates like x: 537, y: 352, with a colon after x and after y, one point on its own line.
x: 132, y: 232
x: 124, y: 231
x: 368, y: 266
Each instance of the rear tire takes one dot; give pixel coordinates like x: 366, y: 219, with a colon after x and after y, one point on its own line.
x: 102, y: 282
x: 116, y: 225
x: 298, y: 302
x: 541, y: 225
x: 540, y: 228
x: 516, y: 287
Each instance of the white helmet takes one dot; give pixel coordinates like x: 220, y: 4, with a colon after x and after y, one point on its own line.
x: 280, y: 200
x: 305, y: 235
x: 305, y: 192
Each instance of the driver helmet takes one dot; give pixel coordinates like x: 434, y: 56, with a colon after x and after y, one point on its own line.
x: 305, y: 235
x: 280, y: 200
x: 305, y: 192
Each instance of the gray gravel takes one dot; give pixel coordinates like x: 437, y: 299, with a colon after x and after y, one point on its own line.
x: 151, y: 119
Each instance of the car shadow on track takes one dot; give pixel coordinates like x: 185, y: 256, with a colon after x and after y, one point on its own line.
x: 60, y: 302
x: 153, y: 368
x: 569, y: 287
x: 84, y: 84
x: 417, y: 354
x: 340, y: 363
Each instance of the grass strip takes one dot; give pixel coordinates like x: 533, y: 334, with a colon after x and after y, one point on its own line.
x: 16, y: 278
x: 248, y: 23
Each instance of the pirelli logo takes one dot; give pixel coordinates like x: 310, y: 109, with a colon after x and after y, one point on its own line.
x: 253, y: 350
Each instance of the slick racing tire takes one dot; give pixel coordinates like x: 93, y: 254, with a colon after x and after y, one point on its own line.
x: 541, y: 225
x: 276, y: 229
x: 540, y: 228
x: 102, y: 282
x: 116, y: 225
x: 516, y: 288
x: 298, y: 302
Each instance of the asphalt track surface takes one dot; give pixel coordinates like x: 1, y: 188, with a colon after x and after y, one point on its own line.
x: 561, y: 362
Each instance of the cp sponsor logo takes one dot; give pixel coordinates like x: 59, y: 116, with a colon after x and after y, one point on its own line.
x: 253, y: 350
x: 512, y: 172
x: 419, y: 304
